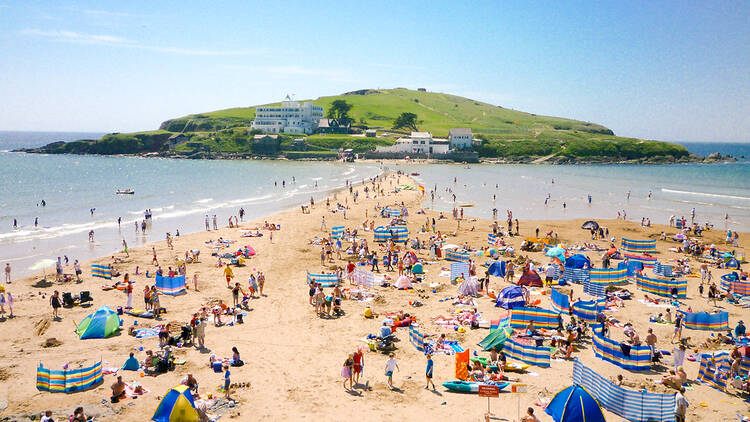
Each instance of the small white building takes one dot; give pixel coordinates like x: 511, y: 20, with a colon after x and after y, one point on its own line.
x: 417, y: 143
x: 290, y: 117
x: 460, y: 138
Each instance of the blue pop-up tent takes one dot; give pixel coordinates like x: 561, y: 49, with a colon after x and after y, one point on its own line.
x: 497, y: 269
x: 575, y: 404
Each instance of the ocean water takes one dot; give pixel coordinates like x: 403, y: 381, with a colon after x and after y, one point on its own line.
x: 714, y: 190
x: 181, y: 192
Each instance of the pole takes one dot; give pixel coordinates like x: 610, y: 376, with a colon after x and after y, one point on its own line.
x: 518, y: 409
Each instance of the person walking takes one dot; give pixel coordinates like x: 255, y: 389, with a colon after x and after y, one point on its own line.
x: 228, y: 274
x: 227, y: 381
x: 215, y: 226
x: 390, y: 366
x: 7, y: 272
x: 56, y: 304
x: 428, y: 372
x: 677, y: 327
x: 125, y: 248
x: 195, y: 282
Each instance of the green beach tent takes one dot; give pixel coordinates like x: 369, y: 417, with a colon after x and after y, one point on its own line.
x: 101, y: 324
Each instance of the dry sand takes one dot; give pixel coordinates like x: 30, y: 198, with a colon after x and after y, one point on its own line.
x: 293, y: 358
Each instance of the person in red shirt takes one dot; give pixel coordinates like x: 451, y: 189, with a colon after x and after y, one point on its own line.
x: 128, y: 291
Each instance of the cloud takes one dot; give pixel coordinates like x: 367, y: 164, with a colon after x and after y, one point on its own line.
x: 115, y: 41
x: 106, y: 13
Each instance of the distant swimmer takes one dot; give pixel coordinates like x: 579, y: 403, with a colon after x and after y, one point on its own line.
x: 119, y: 220
x: 91, y: 236
x: 649, y: 194
x: 628, y: 195
x: 294, y: 180
x: 564, y: 205
x: 15, y: 223
x: 36, y: 221
x: 589, y: 199
x: 283, y: 183
x: 44, y: 203
x: 92, y: 211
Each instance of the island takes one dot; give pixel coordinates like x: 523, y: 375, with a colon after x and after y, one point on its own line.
x: 382, y: 124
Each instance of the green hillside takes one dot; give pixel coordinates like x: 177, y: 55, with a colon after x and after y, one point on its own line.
x: 507, y: 135
x: 438, y: 113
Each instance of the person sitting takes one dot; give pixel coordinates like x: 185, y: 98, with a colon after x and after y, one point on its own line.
x: 739, y: 330
x: 236, y: 361
x: 118, y: 390
x: 385, y: 331
x: 131, y: 364
x: 191, y: 383
x: 78, y: 415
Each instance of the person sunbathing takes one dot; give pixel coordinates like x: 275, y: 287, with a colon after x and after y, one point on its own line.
x: 118, y: 390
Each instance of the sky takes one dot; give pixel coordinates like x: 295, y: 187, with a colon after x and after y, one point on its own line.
x: 663, y: 70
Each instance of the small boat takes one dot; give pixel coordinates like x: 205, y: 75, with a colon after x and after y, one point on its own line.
x: 125, y: 192
x: 466, y: 205
x: 415, y: 174
x: 471, y: 387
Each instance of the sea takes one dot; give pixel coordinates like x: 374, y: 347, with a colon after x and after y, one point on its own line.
x: 180, y: 193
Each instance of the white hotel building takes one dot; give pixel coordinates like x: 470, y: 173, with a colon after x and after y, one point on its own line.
x: 290, y: 117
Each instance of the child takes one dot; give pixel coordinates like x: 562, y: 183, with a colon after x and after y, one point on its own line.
x: 227, y: 381
x: 390, y: 366
x: 428, y: 373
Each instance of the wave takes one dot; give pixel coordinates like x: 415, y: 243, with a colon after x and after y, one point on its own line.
x: 203, y: 201
x: 713, y: 195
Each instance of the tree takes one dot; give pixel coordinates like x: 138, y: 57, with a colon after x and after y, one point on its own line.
x: 406, y: 121
x: 339, y: 110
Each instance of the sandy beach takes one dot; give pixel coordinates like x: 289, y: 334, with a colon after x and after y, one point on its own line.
x: 293, y: 358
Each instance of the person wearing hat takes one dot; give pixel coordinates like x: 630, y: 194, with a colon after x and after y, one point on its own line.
x: 739, y: 330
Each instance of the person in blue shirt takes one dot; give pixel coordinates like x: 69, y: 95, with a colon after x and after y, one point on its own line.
x: 739, y: 330
x: 385, y: 331
x: 428, y: 373
x: 227, y: 381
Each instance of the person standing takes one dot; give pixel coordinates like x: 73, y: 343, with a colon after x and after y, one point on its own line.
x: 208, y: 228
x: 128, y: 291
x: 347, y: 369
x: 228, y: 274
x: 77, y: 268
x: 215, y: 226
x: 680, y: 405
x: 125, y: 248
x: 677, y: 327
x: 428, y: 372
x: 195, y: 282
x: 359, y: 363
x: 154, y: 260
x: 390, y: 366
x: 227, y: 381
x: 56, y: 304
x: 7, y: 272
x: 11, y: 300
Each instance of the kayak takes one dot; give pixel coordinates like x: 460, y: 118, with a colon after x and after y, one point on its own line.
x: 125, y: 192
x: 471, y: 387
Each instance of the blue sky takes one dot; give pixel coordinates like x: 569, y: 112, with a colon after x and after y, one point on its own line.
x: 656, y: 70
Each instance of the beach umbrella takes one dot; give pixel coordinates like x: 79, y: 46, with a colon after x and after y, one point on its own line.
x: 42, y: 264
x: 575, y: 404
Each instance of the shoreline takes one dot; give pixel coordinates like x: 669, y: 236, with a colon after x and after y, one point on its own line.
x: 292, y: 357
x: 533, y: 160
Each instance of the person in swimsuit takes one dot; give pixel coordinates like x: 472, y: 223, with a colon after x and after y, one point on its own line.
x: 56, y: 304
x: 346, y: 370
x: 236, y: 293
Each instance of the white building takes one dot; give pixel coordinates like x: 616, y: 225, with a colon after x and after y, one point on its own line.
x: 290, y: 117
x: 460, y: 138
x: 417, y: 143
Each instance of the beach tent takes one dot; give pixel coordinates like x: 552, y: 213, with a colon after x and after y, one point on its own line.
x: 468, y: 287
x: 556, y: 252
x: 496, y: 339
x: 417, y: 268
x: 403, y: 282
x: 530, y: 278
x: 733, y: 264
x: 172, y: 286
x: 512, y: 297
x: 575, y: 404
x: 176, y: 406
x: 591, y: 224
x: 101, y: 324
x: 497, y: 269
x: 577, y: 261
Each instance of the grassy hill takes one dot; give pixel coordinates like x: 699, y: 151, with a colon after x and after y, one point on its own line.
x: 438, y: 113
x: 508, y: 135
